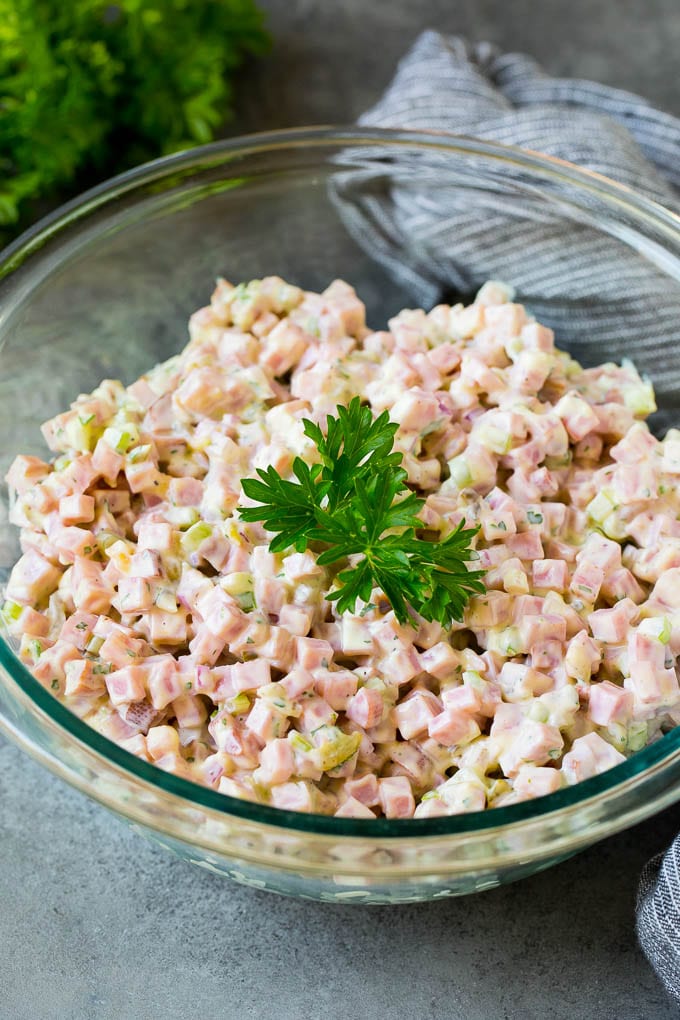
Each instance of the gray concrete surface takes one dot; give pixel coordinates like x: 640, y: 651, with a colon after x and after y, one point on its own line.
x: 96, y: 924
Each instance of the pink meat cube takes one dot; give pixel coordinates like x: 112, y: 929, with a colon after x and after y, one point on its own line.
x: 249, y: 676
x: 80, y: 679
x: 536, y: 781
x: 135, y: 595
x: 121, y: 649
x: 293, y: 797
x: 401, y: 666
x: 167, y: 628
x: 613, y: 625
x: 415, y: 713
x: 440, y: 661
x: 312, y: 653
x: 609, y: 704
x: 337, y: 687
x: 25, y: 472
x: 185, y: 491
x: 298, y: 682
x: 295, y: 619
x: 78, y: 628
x: 158, y: 537
x: 552, y: 574
x: 364, y: 789
x: 352, y: 808
x: 205, y: 647
x: 645, y: 648
x: 33, y: 579
x: 92, y: 592
x: 316, y: 712
x: 536, y: 629
x: 589, y: 755
x: 586, y: 581
x: 277, y: 762
x: 653, y: 688
x: 190, y: 712
x: 463, y: 699
x: 452, y: 727
x: 396, y: 797
x: 283, y: 348
x: 534, y: 743
x: 265, y: 723
x: 221, y: 615
x: 526, y: 545
x: 76, y: 509
x: 601, y: 552
x: 366, y: 708
x: 125, y: 685
x: 164, y: 681
x: 445, y: 358
x: 107, y: 463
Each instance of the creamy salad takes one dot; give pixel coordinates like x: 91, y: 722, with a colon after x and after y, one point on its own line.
x: 150, y: 609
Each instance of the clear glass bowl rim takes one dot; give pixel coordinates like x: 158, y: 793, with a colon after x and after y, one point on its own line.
x: 618, y: 197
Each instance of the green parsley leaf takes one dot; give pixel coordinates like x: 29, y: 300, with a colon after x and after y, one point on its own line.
x: 356, y: 503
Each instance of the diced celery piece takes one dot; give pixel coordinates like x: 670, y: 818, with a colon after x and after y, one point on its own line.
x: 430, y: 795
x: 613, y: 527
x: 105, y: 539
x: 538, y: 712
x: 637, y: 736
x: 61, y: 463
x: 601, y: 506
x: 239, y: 704
x: 460, y: 472
x: 276, y: 696
x: 300, y: 743
x: 94, y: 644
x: 182, y: 517
x: 240, y: 582
x: 121, y: 439
x: 657, y: 626
x: 195, y: 536
x: 138, y: 453
x: 166, y: 600
x: 335, y: 751
x: 639, y: 398
x: 473, y: 678
x: 80, y: 436
x: 493, y: 438
x: 11, y: 611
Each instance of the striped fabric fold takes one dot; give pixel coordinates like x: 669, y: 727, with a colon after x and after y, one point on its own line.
x: 596, y: 294
x: 595, y: 304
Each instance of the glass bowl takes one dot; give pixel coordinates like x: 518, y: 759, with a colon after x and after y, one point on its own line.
x: 104, y: 287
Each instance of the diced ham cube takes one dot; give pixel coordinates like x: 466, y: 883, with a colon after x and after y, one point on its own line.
x: 163, y: 680
x: 552, y: 574
x: 366, y: 708
x: 312, y: 653
x: 536, y: 781
x: 353, y: 808
x: 441, y: 661
x: 453, y: 728
x: 125, y: 685
x: 414, y: 714
x: 167, y: 628
x: 613, y: 625
x: 336, y: 687
x: 365, y: 789
x: 249, y: 676
x: 33, y: 578
x: 76, y: 509
x: 277, y: 762
x: 589, y: 755
x: 609, y: 704
x: 396, y: 797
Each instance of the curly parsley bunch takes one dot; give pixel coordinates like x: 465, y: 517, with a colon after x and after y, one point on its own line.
x: 89, y: 87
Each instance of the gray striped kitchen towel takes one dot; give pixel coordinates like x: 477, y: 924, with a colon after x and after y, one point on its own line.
x: 594, y: 305
x: 594, y: 292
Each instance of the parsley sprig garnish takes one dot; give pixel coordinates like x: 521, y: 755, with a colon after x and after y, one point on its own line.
x: 355, y: 503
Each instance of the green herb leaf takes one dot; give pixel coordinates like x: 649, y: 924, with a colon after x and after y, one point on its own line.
x: 356, y: 503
